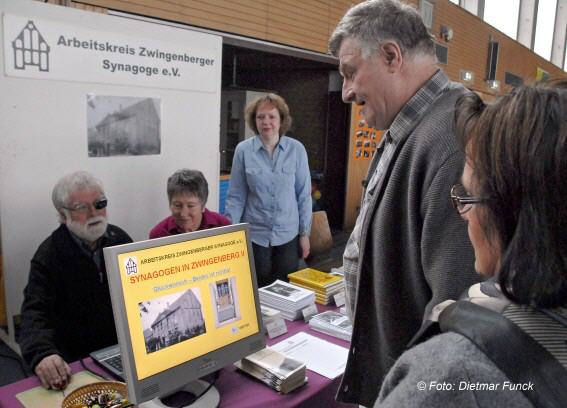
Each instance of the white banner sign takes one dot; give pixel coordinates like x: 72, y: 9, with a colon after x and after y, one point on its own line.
x: 47, y: 49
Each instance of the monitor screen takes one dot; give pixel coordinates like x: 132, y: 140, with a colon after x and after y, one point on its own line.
x: 184, y: 306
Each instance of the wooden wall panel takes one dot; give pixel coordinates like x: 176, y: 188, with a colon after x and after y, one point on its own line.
x: 80, y: 6
x: 244, y: 17
x: 304, y: 24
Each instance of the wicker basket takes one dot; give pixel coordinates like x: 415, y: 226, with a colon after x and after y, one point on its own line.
x: 81, y: 395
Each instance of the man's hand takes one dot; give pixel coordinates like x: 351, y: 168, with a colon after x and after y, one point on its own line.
x: 53, y: 372
x: 304, y: 245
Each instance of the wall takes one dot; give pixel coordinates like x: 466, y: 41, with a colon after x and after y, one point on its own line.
x: 303, y: 24
x: 308, y: 24
x: 306, y: 95
x: 469, y: 49
x: 44, y: 136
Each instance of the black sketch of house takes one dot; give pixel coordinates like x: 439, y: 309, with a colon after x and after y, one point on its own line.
x: 30, y: 48
x: 182, y: 320
x: 134, y: 130
x: 131, y: 267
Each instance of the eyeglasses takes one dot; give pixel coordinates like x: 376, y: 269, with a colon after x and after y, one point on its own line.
x: 461, y: 199
x: 84, y: 207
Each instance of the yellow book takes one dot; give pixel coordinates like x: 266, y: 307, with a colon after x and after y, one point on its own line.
x: 316, y: 290
x: 313, y: 278
x: 322, y: 300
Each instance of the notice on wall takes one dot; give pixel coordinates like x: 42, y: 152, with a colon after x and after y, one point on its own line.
x: 48, y: 49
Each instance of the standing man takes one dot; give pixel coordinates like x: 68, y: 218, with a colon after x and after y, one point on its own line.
x: 67, y: 312
x: 408, y: 250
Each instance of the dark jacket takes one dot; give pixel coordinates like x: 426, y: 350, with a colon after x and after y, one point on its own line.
x: 414, y: 250
x: 67, y: 308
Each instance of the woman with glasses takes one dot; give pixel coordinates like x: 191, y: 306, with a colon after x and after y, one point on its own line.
x: 513, y: 197
x: 270, y: 188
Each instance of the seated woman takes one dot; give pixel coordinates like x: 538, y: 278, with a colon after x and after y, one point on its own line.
x: 187, y: 191
x: 514, y: 198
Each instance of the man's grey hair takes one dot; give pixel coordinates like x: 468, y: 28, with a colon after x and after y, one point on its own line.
x: 71, y: 183
x: 374, y: 22
x: 187, y: 181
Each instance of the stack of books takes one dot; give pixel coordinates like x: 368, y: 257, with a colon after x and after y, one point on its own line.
x: 333, y: 324
x: 282, y: 373
x: 324, y: 284
x: 287, y: 298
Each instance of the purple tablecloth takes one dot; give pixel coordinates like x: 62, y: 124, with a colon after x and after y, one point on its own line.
x: 236, y: 389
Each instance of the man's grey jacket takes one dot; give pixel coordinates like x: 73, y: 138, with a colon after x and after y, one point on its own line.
x: 414, y: 248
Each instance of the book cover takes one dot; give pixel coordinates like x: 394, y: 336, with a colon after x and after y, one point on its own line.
x: 286, y: 291
x: 314, y: 278
x: 332, y: 323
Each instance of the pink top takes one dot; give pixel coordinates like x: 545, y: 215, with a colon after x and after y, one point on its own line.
x: 168, y: 226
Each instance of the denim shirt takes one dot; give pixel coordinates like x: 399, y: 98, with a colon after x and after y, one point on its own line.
x: 272, y: 194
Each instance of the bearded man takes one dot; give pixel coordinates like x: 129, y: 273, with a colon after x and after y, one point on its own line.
x: 67, y: 312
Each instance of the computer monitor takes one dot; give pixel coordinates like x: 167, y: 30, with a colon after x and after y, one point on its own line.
x: 184, y: 306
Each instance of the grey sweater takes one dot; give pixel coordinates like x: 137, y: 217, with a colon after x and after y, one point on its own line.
x: 414, y: 248
x: 454, y: 372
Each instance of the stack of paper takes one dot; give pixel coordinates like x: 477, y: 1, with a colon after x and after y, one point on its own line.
x: 269, y: 314
x: 282, y: 373
x: 287, y: 298
x: 340, y: 271
x: 320, y: 355
x: 324, y: 284
x: 332, y: 323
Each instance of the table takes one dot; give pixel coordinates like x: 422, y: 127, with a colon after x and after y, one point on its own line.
x: 236, y: 389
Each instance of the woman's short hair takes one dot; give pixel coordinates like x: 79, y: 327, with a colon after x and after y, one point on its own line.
x: 186, y: 181
x: 71, y: 183
x: 277, y: 102
x: 517, y: 148
x: 374, y: 22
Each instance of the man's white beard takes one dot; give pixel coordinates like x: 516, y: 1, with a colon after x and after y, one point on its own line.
x: 87, y: 231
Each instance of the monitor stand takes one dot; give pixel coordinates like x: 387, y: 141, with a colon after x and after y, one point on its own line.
x: 211, y: 399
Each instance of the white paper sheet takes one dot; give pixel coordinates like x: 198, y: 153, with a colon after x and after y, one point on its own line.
x: 319, y: 355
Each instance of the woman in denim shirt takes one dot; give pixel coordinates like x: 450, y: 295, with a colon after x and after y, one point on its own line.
x: 270, y: 188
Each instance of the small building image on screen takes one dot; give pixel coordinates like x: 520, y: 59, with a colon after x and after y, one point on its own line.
x: 225, y: 299
x: 171, y: 319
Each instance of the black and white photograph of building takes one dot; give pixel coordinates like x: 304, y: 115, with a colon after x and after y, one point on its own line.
x: 123, y: 126
x: 282, y: 290
x: 225, y: 298
x: 172, y: 319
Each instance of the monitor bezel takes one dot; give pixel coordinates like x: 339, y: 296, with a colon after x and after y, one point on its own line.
x: 173, y: 379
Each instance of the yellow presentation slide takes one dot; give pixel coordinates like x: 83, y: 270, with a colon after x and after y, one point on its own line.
x: 183, y: 300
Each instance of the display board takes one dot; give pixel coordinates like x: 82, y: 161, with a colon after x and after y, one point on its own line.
x: 128, y: 101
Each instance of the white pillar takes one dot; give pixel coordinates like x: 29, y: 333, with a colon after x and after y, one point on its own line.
x: 558, y: 47
x: 526, y: 22
x: 475, y: 7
